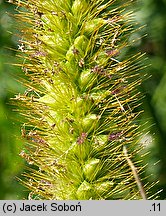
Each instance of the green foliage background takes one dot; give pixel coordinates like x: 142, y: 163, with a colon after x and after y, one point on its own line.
x: 152, y: 13
x: 11, y: 165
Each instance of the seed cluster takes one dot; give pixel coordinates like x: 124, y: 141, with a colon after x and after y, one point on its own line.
x: 82, y: 99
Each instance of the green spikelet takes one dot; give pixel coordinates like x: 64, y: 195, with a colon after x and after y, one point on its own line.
x: 81, y: 101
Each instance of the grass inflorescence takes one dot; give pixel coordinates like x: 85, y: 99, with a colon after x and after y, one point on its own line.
x: 82, y: 100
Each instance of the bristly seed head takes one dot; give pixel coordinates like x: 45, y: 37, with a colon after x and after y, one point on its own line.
x: 80, y: 99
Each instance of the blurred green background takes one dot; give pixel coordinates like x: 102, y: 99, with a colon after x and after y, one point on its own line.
x: 153, y: 14
x: 11, y: 164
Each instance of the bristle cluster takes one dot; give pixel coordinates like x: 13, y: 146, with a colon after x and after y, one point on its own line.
x: 82, y: 100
